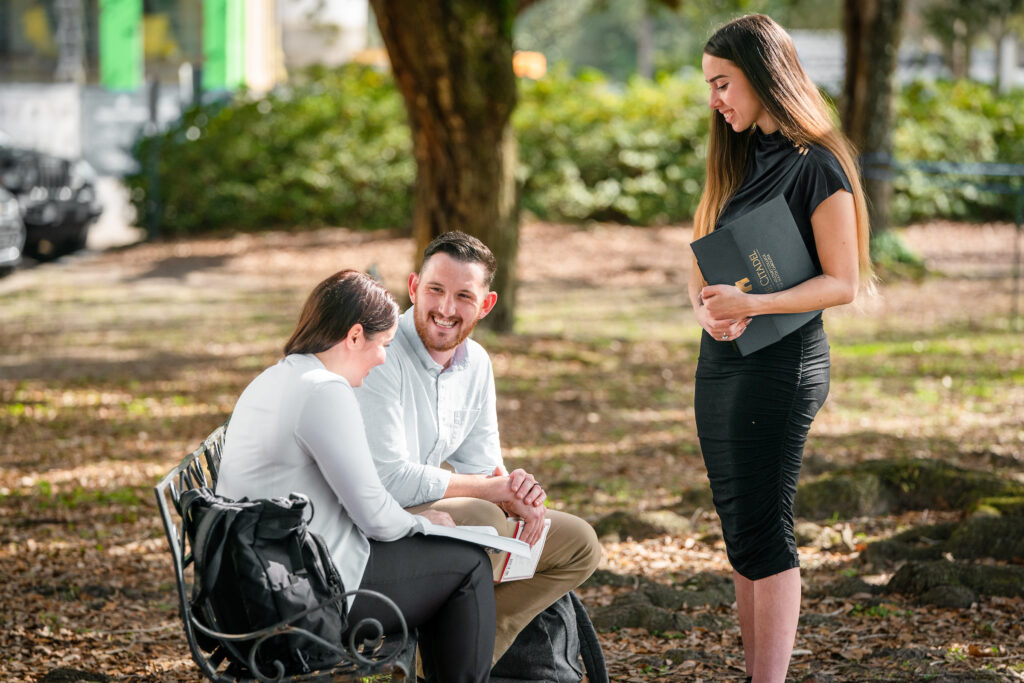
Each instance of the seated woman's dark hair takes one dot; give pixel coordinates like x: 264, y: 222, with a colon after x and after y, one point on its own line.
x: 342, y: 300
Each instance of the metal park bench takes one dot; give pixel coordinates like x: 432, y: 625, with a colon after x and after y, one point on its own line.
x: 380, y: 654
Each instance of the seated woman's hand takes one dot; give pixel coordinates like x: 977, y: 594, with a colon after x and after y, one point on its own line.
x: 438, y: 517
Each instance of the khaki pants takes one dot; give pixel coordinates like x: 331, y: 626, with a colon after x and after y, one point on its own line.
x: 570, y: 556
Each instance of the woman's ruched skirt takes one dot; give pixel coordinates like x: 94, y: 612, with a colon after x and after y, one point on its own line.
x: 753, y: 414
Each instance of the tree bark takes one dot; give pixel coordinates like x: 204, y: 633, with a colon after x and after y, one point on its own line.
x: 645, y: 43
x: 872, y: 29
x: 452, y: 61
x: 961, y: 50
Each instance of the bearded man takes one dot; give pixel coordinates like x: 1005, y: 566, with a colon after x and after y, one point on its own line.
x: 432, y: 402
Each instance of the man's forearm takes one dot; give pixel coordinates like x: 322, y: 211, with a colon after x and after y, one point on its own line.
x: 485, y: 487
x: 412, y: 483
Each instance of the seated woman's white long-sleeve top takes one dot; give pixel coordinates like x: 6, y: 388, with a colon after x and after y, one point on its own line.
x: 297, y: 427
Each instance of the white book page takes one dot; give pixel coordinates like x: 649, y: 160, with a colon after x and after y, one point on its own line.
x: 486, y: 536
x: 519, y: 567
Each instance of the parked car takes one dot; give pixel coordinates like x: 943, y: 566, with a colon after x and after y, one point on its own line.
x: 57, y: 197
x: 12, y: 232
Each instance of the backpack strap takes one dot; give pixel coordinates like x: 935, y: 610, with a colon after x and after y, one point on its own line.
x: 209, y: 536
x: 281, y: 520
x: 590, y: 646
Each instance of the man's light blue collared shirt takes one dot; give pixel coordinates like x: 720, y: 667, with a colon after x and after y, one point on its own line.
x: 419, y: 414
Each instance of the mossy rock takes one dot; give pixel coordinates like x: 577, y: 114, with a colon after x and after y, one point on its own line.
x: 703, y: 589
x: 1006, y: 506
x: 603, y: 577
x: 663, y: 596
x: 635, y: 610
x: 922, y: 484
x: 917, y: 577
x: 950, y: 597
x: 843, y: 494
x: 654, y: 607
x: 709, y: 589
x: 621, y: 525
x: 979, y: 536
x: 692, y: 499
x: 927, y: 542
x: 817, y: 536
x: 844, y: 587
x: 921, y: 579
x: 1006, y: 581
x: 881, y: 487
x: 1001, y: 538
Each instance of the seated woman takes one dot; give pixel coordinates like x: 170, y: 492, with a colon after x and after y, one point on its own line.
x: 297, y: 427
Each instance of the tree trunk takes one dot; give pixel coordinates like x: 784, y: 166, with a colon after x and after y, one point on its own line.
x: 999, y: 35
x: 872, y: 29
x: 961, y: 50
x: 645, y: 43
x: 452, y: 62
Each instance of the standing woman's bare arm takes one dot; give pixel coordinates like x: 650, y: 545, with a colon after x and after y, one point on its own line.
x: 835, y: 233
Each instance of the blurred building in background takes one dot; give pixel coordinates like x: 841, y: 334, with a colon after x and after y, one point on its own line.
x: 823, y: 54
x: 81, y: 77
x: 323, y: 32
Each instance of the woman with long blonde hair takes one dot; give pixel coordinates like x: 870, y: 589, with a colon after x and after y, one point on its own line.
x: 771, y: 134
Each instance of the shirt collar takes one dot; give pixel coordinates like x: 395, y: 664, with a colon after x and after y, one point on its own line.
x: 407, y: 328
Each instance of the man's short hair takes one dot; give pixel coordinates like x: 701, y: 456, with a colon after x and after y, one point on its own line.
x: 464, y: 248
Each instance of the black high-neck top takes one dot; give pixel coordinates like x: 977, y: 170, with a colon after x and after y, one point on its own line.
x: 804, y: 176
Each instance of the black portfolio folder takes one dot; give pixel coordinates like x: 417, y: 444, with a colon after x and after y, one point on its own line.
x: 759, y: 252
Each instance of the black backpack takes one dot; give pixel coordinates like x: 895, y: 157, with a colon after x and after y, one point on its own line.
x: 257, y: 565
x: 556, y: 647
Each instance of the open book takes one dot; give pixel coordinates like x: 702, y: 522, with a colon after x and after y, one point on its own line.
x: 518, y: 567
x: 486, y: 536
x: 762, y: 251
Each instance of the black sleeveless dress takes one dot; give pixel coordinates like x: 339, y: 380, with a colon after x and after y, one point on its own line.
x: 753, y: 413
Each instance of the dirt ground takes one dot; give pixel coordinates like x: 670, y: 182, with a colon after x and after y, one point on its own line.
x: 115, y: 364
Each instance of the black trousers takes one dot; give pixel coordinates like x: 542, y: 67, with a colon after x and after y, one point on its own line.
x: 753, y: 414
x: 445, y: 589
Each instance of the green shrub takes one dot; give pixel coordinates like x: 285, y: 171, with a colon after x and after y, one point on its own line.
x: 591, y: 150
x: 334, y: 149
x: 960, y: 122
x: 891, y: 256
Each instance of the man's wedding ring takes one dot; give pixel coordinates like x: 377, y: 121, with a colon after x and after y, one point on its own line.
x: 725, y: 337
